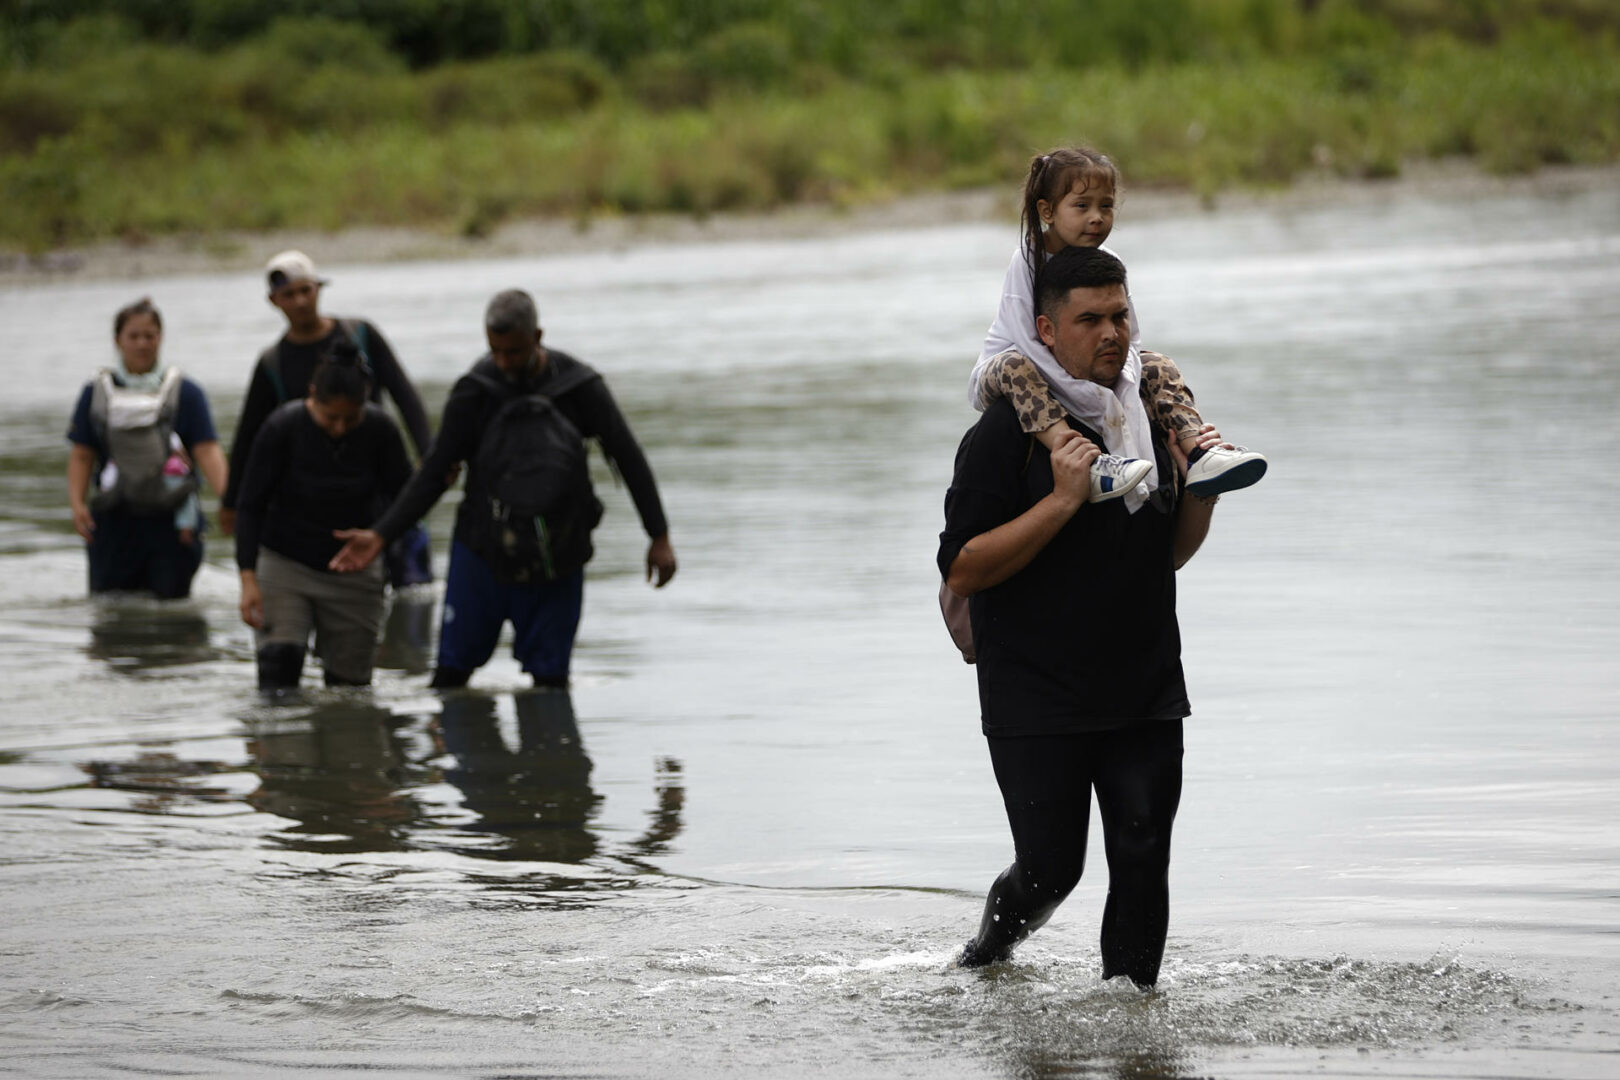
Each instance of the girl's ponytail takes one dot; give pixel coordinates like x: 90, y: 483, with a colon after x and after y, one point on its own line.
x: 1030, y: 218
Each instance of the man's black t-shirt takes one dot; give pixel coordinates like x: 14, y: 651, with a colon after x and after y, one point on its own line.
x: 300, y: 484
x: 1084, y: 638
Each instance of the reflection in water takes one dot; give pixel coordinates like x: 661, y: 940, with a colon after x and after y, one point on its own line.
x: 665, y: 823
x: 162, y: 781
x: 359, y: 778
x: 1046, y: 1064
x: 407, y: 640
x: 537, y: 797
x: 341, y: 772
x: 135, y: 634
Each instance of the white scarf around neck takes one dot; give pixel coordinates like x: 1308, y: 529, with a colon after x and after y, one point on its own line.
x: 147, y: 381
x: 1117, y: 413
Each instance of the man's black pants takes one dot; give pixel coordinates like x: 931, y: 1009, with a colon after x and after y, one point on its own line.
x: 1046, y: 783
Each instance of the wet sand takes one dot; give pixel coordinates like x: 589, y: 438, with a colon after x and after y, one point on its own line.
x: 232, y: 251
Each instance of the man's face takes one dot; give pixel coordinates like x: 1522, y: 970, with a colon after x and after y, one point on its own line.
x: 515, y: 353
x: 1090, y: 333
x: 300, y: 302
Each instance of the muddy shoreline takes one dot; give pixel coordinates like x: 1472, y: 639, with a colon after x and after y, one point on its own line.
x: 227, y: 252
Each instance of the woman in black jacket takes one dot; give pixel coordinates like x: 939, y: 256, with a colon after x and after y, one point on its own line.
x: 327, y: 462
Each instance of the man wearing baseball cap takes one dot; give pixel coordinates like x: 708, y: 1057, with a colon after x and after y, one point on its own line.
x: 282, y: 374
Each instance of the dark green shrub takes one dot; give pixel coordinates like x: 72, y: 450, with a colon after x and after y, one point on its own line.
x: 318, y: 41
x: 670, y: 80
x: 751, y: 54
x: 32, y: 110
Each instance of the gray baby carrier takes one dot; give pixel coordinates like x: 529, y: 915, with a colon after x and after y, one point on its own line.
x: 136, y: 428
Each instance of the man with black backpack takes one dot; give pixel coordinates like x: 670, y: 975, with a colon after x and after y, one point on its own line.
x: 283, y: 372
x: 519, y: 419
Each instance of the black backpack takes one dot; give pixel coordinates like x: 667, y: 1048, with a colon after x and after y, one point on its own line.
x: 535, y: 483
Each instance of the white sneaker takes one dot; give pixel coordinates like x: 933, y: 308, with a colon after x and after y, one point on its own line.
x: 1219, y: 469
x: 1113, y: 476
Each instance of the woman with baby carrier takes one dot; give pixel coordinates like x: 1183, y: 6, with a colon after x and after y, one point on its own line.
x: 140, y: 433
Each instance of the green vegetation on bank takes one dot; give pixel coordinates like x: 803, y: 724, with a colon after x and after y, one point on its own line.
x: 134, y: 118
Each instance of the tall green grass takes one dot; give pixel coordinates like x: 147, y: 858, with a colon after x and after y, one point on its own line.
x: 315, y: 123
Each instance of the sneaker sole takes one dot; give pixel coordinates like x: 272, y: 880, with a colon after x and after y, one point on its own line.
x: 1238, y: 476
x: 1108, y: 496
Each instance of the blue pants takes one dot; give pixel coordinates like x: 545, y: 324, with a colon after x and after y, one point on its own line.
x: 544, y: 617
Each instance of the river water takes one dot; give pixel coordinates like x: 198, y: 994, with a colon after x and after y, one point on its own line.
x: 752, y: 837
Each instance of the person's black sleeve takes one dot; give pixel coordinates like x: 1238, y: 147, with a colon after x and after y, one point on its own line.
x: 394, y: 464
x: 392, y: 378
x: 261, y: 475
x: 602, y: 420
x: 456, y: 442
x: 985, y: 488
x: 259, y: 403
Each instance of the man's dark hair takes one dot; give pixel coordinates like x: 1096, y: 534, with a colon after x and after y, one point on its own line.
x: 1074, y: 268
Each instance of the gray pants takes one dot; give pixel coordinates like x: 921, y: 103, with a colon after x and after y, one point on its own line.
x: 343, y: 611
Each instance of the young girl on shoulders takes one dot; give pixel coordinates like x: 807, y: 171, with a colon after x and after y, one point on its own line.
x: 1069, y: 199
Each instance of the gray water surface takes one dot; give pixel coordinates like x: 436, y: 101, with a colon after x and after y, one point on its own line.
x: 752, y: 837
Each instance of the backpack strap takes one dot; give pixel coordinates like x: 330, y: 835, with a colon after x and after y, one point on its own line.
x: 497, y: 388
x: 564, y: 374
x: 356, y: 330
x: 270, y: 359
x: 101, y: 391
x: 170, y: 392
x: 489, y: 384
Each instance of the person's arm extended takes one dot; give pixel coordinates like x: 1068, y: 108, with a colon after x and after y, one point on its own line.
x: 433, y: 477
x: 1195, y: 511
x: 457, y: 440
x: 992, y: 557
x: 603, y: 420
x: 81, y: 464
x: 391, y: 375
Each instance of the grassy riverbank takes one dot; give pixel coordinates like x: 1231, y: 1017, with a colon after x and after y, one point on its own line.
x: 108, y: 132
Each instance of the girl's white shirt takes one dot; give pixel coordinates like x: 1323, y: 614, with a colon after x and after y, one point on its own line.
x: 1117, y: 413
